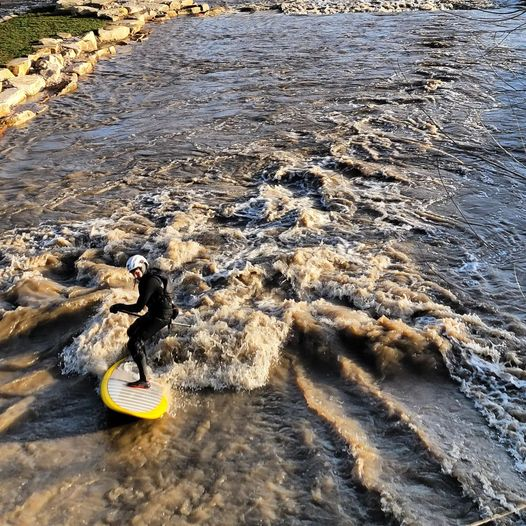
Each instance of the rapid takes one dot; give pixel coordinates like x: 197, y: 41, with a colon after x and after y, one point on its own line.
x: 340, y: 202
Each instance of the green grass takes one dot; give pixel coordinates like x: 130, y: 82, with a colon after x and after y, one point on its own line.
x: 17, y: 34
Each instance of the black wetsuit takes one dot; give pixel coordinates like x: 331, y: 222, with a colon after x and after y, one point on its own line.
x: 153, y: 296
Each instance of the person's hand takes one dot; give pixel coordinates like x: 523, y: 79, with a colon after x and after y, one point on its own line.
x: 115, y: 308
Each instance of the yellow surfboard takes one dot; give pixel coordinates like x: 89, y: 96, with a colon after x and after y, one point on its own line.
x: 143, y: 403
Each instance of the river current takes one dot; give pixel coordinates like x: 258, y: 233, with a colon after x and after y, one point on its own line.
x: 340, y: 203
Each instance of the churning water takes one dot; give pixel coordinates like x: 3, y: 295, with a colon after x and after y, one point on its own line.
x: 340, y: 201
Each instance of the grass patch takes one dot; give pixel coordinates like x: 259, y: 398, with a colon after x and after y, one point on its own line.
x: 17, y: 34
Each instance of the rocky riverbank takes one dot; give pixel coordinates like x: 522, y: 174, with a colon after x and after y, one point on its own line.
x: 56, y: 65
x: 327, y: 7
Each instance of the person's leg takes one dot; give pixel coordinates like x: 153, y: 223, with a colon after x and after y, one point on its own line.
x: 136, y: 348
x: 140, y: 331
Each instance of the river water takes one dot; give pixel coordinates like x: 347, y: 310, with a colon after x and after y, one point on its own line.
x: 340, y: 202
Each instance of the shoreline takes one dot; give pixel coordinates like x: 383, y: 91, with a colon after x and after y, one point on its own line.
x: 60, y: 60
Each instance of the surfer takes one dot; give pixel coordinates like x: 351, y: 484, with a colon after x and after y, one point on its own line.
x: 152, y: 294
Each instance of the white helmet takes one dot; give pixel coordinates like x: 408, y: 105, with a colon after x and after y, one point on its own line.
x: 137, y: 261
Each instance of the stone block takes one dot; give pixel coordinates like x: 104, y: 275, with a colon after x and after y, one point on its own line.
x: 114, y: 34
x: 19, y: 66
x: 67, y: 4
x: 113, y: 14
x: 204, y: 8
x: 134, y: 25
x: 50, y: 68
x: 175, y: 5
x: 102, y: 53
x: 100, y: 4
x: 41, y: 51
x: 19, y: 118
x: 69, y: 85
x: 69, y: 54
x: 187, y: 3
x: 29, y: 84
x: 64, y: 35
x: 50, y: 42
x: 134, y: 9
x: 81, y: 68
x: 215, y: 11
x: 83, y: 10
x: 9, y: 98
x: 5, y: 74
x: 73, y: 46
x: 88, y: 42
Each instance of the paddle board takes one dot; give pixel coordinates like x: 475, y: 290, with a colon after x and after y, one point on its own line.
x: 143, y: 403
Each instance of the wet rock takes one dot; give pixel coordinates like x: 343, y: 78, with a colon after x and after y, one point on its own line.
x: 20, y: 117
x: 70, y: 85
x: 432, y: 85
x: 80, y: 68
x: 9, y: 98
x: 29, y: 84
x: 19, y: 66
x: 218, y: 10
x: 102, y: 53
x: 115, y: 34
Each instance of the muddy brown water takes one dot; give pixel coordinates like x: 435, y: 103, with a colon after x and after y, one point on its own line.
x: 339, y: 201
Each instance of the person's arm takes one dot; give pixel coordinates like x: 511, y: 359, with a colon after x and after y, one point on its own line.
x: 144, y: 296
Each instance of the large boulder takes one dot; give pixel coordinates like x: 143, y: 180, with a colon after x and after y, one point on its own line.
x: 29, y: 84
x: 113, y: 13
x: 72, y: 49
x: 9, y: 98
x: 114, y: 34
x: 83, y: 10
x: 19, y: 66
x: 50, y: 42
x: 80, y: 68
x: 67, y: 4
x: 100, y: 4
x: 88, y: 42
x: 134, y: 9
x: 50, y: 68
x: 135, y: 25
x: 5, y: 74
